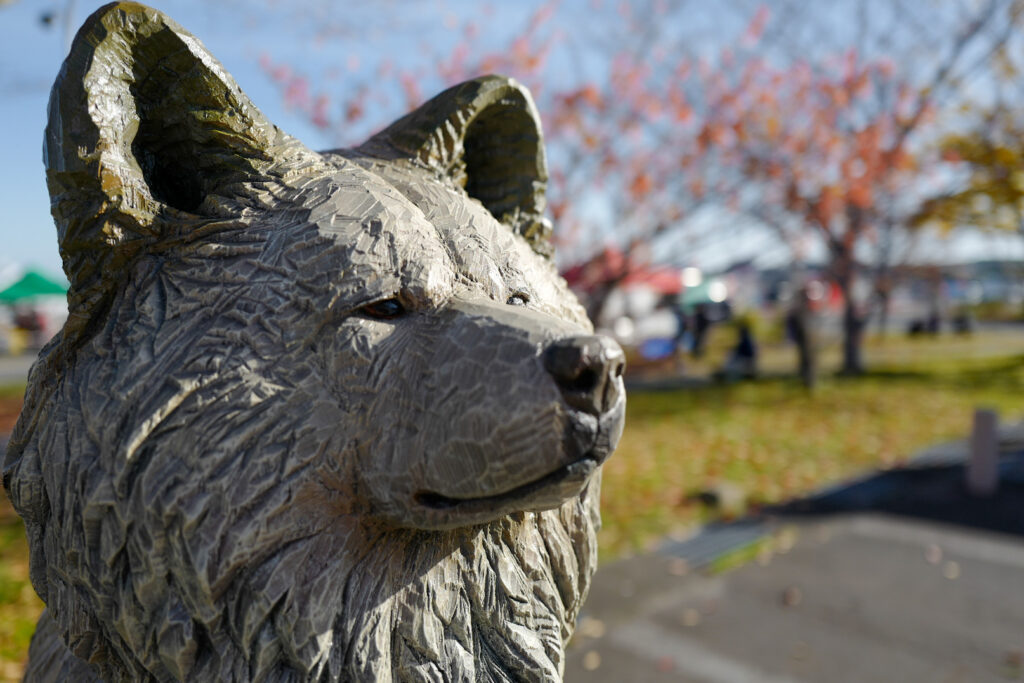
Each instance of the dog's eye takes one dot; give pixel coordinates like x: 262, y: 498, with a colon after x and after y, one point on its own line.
x: 383, y: 310
x: 518, y: 299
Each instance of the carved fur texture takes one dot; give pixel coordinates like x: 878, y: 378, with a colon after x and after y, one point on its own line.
x: 314, y: 416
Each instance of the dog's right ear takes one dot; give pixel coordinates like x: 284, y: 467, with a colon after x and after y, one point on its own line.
x: 147, y: 134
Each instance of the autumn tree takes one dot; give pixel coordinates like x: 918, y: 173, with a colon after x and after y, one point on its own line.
x: 985, y: 153
x: 834, y: 146
x: 818, y: 162
x: 989, y: 164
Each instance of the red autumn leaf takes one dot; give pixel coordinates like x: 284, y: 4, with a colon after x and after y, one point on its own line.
x: 756, y: 27
x: 641, y: 185
x: 354, y: 111
x: 319, y: 113
x: 860, y: 195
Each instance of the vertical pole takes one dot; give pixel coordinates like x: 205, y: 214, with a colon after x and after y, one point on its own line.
x: 983, y: 463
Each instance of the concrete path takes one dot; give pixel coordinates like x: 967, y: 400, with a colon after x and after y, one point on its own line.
x: 898, y: 577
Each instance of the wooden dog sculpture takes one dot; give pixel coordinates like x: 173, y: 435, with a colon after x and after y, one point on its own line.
x: 313, y: 416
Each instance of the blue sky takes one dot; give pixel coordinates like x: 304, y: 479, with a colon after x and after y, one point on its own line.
x: 237, y: 34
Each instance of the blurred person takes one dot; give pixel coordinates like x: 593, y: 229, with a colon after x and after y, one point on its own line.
x: 701, y: 323
x: 30, y: 321
x: 799, y: 328
x: 742, y: 362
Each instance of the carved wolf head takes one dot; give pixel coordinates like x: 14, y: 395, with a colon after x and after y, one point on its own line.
x: 313, y: 416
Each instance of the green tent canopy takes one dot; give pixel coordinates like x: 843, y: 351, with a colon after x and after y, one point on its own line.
x: 30, y: 286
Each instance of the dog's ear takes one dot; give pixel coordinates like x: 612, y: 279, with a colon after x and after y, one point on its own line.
x: 147, y: 136
x: 486, y: 135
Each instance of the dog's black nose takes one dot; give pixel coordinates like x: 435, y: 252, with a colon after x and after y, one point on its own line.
x: 588, y: 370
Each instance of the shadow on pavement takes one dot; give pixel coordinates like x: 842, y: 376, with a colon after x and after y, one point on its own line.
x: 930, y: 489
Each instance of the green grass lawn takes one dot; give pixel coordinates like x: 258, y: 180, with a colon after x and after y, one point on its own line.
x: 774, y: 440
x: 19, y: 605
x: 771, y: 439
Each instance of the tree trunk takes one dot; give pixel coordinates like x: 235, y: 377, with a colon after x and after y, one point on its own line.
x: 844, y: 269
x: 853, y: 332
x: 594, y: 304
x: 808, y: 363
x: 883, y: 312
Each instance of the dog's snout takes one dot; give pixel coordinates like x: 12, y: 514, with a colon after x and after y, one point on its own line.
x: 588, y: 370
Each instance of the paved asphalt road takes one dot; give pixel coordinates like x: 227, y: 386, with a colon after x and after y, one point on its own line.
x: 861, y: 598
x: 899, y: 577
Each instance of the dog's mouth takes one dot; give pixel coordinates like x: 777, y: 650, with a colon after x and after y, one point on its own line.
x: 588, y: 439
x: 576, y: 471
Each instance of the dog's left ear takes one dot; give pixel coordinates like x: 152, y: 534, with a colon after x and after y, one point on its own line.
x: 147, y: 136
x: 485, y: 134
